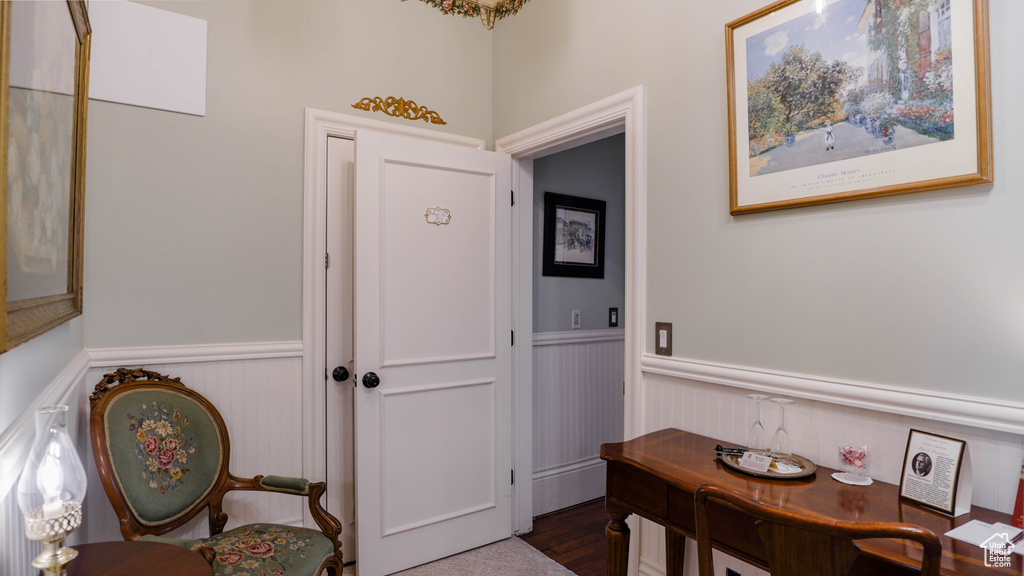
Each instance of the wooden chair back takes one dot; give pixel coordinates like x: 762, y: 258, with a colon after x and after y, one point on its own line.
x: 798, y: 544
x: 161, y: 451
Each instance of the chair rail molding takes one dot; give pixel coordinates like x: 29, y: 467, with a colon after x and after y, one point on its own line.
x: 578, y: 337
x: 111, y: 357
x: 972, y: 411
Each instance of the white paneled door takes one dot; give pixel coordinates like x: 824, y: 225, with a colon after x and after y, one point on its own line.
x: 432, y: 350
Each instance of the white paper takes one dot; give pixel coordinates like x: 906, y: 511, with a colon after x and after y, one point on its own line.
x: 756, y: 462
x: 144, y: 56
x: 978, y: 533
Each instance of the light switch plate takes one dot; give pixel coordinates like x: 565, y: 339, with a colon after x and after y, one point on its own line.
x: 663, y: 338
x: 577, y: 320
x: 613, y: 317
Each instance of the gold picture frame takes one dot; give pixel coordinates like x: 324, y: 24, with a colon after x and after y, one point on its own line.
x: 840, y: 100
x: 44, y: 68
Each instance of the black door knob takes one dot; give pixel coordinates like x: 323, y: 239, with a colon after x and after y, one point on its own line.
x: 340, y: 374
x: 370, y: 380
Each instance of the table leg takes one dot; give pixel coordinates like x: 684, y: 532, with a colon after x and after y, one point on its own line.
x: 675, y: 550
x: 617, y: 538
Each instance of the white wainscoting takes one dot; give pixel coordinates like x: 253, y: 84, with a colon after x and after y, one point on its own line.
x: 256, y: 387
x: 577, y: 406
x: 711, y: 400
x: 258, y: 390
x: 17, y: 552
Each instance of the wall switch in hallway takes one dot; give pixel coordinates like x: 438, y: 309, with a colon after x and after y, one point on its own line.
x: 577, y: 320
x: 663, y: 338
x: 613, y: 317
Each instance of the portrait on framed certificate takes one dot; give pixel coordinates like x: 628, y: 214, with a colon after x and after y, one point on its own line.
x: 839, y: 100
x: 934, y: 470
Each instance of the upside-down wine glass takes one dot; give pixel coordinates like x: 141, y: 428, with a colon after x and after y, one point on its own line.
x: 758, y: 438
x: 780, y: 443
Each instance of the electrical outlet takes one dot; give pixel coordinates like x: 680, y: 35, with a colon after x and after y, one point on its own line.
x: 577, y: 320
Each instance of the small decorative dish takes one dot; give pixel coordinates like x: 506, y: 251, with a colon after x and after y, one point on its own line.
x: 803, y: 466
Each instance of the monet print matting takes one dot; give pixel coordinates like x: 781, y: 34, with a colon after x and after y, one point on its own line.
x: 837, y: 100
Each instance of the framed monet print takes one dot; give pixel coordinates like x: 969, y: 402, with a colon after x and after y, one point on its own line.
x: 838, y: 100
x: 43, y: 97
x: 573, y: 236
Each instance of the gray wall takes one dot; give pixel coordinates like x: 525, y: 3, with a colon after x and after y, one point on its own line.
x: 597, y: 171
x: 194, y: 225
x: 193, y: 231
x: 922, y: 291
x: 26, y: 370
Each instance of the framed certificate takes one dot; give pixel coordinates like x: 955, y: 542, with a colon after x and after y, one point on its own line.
x: 936, y: 473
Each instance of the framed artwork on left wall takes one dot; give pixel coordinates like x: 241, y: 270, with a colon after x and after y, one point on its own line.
x: 43, y: 100
x: 573, y: 236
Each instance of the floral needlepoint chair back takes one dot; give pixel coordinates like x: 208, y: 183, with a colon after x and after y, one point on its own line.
x: 162, y: 453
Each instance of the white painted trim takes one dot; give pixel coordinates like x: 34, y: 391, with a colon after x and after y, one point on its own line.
x: 319, y: 126
x: 578, y: 337
x: 17, y: 438
x: 567, y: 467
x: 623, y: 112
x: 952, y: 408
x: 568, y: 484
x: 109, y: 357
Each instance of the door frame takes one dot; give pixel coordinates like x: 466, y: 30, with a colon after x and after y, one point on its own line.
x: 319, y: 126
x: 622, y: 113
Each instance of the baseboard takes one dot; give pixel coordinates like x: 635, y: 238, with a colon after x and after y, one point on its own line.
x: 952, y: 408
x: 566, y: 485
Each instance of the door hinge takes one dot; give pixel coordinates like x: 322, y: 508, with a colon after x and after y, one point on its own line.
x: 513, y: 337
x: 327, y: 261
x: 513, y: 193
x: 513, y: 476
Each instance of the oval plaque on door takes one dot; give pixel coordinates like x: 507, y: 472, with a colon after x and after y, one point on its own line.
x: 438, y: 215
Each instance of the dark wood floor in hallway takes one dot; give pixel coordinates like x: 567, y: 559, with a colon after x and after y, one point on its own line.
x: 573, y: 537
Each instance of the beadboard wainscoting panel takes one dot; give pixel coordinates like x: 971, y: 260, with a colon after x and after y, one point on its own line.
x: 577, y: 406
x: 816, y: 429
x: 258, y: 390
x: 16, y: 551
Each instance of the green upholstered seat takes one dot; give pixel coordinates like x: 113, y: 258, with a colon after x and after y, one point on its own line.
x: 271, y: 549
x: 162, y: 451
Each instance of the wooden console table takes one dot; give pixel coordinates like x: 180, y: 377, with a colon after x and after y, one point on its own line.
x: 130, y: 558
x: 654, y: 476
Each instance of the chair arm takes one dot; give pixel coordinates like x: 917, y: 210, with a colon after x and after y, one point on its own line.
x: 313, y: 491
x: 285, y: 484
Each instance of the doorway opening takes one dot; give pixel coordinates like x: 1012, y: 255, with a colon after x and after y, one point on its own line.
x: 622, y: 113
x: 578, y: 331
x: 619, y: 114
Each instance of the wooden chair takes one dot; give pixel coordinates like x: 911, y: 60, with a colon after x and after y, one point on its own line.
x: 162, y: 453
x: 797, y: 544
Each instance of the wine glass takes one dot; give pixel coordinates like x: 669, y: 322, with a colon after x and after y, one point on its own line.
x: 758, y: 438
x: 780, y: 443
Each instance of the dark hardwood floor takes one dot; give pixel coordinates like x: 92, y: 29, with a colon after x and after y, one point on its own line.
x: 573, y: 537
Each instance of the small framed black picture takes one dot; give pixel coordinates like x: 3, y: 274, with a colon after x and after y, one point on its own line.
x: 573, y: 236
